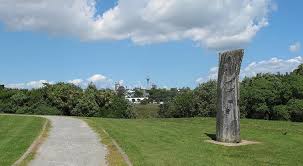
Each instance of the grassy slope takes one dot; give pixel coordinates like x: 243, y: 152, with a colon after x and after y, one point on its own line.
x: 147, y: 111
x: 181, y: 142
x: 16, y: 135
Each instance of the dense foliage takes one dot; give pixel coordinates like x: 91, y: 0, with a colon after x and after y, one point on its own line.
x: 164, y: 95
x: 198, y: 102
x: 277, y: 97
x: 265, y: 96
x: 65, y: 99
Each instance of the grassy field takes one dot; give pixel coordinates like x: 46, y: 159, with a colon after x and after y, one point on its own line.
x: 147, y: 111
x: 16, y: 135
x: 181, y: 142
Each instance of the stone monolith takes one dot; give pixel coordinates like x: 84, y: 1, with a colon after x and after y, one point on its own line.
x: 228, y: 113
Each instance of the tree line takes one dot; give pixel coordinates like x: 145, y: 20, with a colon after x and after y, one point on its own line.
x: 65, y: 99
x: 265, y: 96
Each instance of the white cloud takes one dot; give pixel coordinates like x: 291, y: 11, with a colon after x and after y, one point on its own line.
x: 212, y: 75
x: 97, y: 78
x: 216, y: 24
x: 101, y: 81
x: 273, y: 65
x: 29, y: 85
x: 295, y: 47
x: 121, y: 82
x: 76, y: 82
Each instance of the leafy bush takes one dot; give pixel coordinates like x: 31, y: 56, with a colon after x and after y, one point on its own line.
x: 205, y: 99
x: 43, y: 109
x: 120, y: 108
x: 280, y: 112
x: 23, y: 110
x: 65, y: 99
x: 165, y: 111
x: 181, y: 106
x: 144, y: 102
x: 265, y: 96
x: 86, y: 106
x: 6, y: 107
x: 295, y: 107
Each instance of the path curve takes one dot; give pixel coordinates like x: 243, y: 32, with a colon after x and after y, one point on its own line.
x: 71, y: 142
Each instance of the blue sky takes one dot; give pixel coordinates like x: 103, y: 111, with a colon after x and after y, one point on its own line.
x: 35, y: 54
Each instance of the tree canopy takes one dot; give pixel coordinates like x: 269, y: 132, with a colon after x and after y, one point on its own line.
x: 265, y: 96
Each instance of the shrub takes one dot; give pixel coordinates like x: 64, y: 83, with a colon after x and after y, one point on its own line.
x: 296, y: 110
x: 205, y: 99
x: 144, y: 102
x: 6, y: 108
x: 63, y: 96
x: 23, y: 110
x: 86, y: 106
x: 43, y: 109
x: 181, y: 106
x: 120, y: 108
x: 168, y: 110
x: 280, y: 112
x: 164, y: 111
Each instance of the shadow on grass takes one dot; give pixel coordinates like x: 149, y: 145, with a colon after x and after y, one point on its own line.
x: 211, y: 136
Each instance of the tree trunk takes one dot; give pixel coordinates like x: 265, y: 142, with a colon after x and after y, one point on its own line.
x: 228, y: 114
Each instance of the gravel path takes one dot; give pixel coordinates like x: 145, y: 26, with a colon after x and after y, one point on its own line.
x: 71, y: 142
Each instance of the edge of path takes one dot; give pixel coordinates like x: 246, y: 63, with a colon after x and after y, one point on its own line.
x: 31, y: 151
x: 115, y: 155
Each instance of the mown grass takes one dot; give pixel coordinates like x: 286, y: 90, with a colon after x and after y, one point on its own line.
x: 147, y: 111
x: 17, y: 133
x: 42, y: 137
x: 114, y: 156
x: 165, y: 142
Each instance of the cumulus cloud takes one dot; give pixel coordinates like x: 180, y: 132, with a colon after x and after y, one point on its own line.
x: 216, y: 24
x: 76, y: 82
x: 212, y: 75
x: 273, y: 65
x: 29, y: 85
x: 295, y: 47
x: 99, y: 80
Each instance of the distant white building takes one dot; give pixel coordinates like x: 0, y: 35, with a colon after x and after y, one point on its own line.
x: 136, y: 100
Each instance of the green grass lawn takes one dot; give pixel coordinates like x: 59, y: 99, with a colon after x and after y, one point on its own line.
x: 181, y: 142
x: 16, y: 135
x: 147, y: 111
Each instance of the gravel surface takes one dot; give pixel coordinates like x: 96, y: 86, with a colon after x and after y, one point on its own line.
x: 71, y: 142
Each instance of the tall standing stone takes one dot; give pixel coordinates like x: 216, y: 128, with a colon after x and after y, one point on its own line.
x: 228, y: 114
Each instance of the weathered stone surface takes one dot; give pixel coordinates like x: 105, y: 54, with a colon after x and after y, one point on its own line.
x: 242, y: 143
x: 228, y: 114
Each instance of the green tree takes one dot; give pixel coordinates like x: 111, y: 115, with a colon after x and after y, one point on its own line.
x: 63, y: 96
x: 280, y: 112
x: 120, y: 108
x: 299, y: 70
x: 181, y: 106
x: 205, y: 99
x: 139, y: 93
x: 86, y: 106
x: 121, y: 91
x: 295, y: 107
